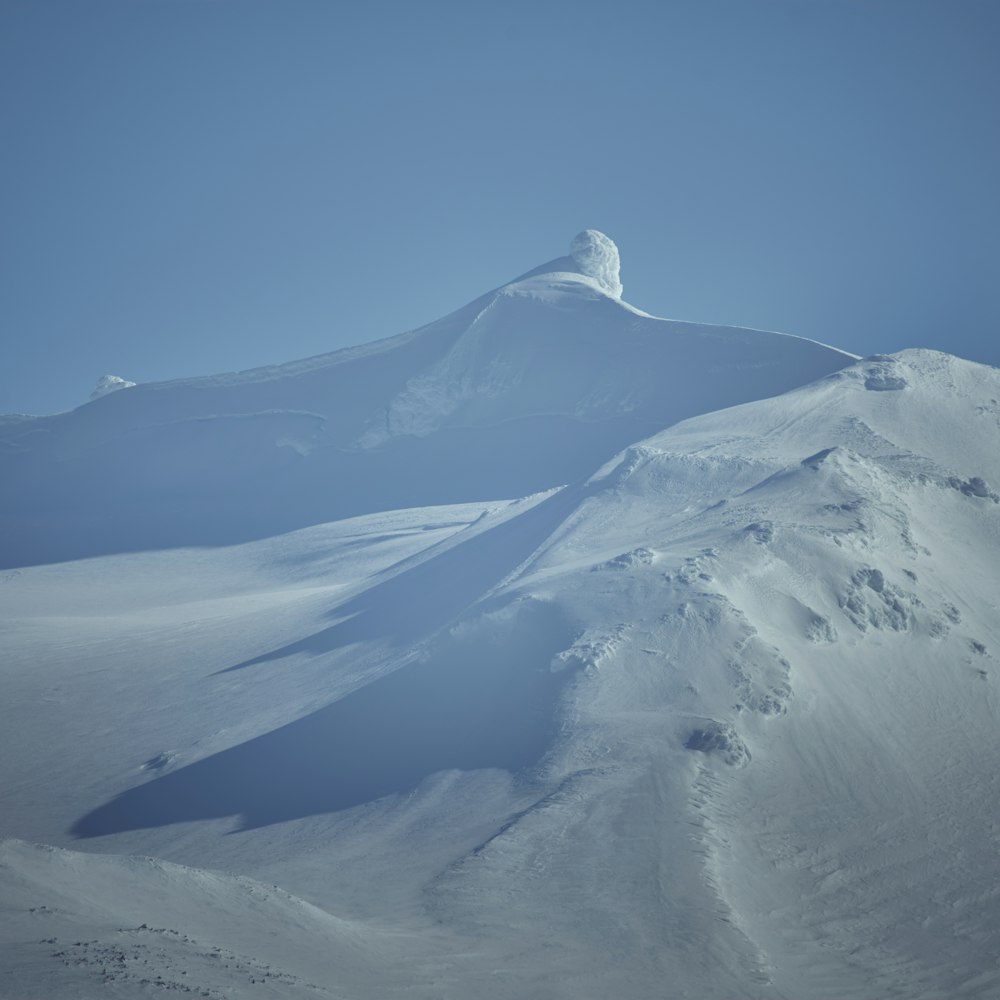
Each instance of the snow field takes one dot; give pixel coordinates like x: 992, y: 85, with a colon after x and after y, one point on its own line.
x: 710, y: 712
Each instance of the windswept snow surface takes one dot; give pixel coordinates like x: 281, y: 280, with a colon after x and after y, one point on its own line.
x: 716, y: 719
x: 131, y: 927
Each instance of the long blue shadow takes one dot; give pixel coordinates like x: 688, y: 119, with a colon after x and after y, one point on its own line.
x: 420, y: 600
x: 486, y: 699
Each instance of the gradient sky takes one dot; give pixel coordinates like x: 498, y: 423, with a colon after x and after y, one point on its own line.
x: 195, y: 186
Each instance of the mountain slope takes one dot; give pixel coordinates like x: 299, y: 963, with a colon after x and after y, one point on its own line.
x: 719, y: 720
x: 715, y: 718
x: 798, y: 596
x: 528, y: 387
x: 138, y: 927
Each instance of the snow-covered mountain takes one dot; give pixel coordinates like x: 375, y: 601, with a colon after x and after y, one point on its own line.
x: 530, y: 386
x: 714, y: 715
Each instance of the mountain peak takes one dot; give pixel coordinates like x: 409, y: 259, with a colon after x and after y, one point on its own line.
x: 109, y: 383
x: 593, y: 255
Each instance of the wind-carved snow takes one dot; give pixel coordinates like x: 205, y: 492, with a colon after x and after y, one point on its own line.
x: 975, y: 486
x: 720, y: 738
x: 884, y: 375
x: 592, y: 648
x: 872, y: 600
x: 596, y: 255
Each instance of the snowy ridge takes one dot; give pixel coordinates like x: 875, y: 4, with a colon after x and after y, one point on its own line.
x: 530, y: 386
x: 717, y: 717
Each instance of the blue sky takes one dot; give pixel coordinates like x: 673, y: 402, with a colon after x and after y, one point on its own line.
x: 194, y: 186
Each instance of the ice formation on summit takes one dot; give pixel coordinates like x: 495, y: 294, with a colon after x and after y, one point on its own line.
x: 596, y: 256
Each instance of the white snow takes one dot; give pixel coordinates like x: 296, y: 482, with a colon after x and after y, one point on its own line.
x: 717, y: 718
x: 109, y: 383
x: 596, y: 255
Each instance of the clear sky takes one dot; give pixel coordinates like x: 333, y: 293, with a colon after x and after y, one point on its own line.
x: 196, y: 186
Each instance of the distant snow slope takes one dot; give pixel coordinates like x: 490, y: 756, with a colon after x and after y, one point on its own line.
x: 130, y: 927
x: 528, y: 387
x: 717, y: 719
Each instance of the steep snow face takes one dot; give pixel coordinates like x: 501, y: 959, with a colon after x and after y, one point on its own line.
x: 721, y: 716
x: 596, y: 256
x: 530, y: 386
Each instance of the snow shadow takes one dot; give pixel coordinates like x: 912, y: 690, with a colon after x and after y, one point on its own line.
x: 418, y: 601
x: 222, y: 481
x: 484, y: 698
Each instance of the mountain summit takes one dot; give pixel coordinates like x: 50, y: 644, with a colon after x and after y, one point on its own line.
x: 592, y: 255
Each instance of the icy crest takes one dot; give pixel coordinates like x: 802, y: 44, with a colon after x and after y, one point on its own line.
x: 109, y: 383
x: 597, y: 257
